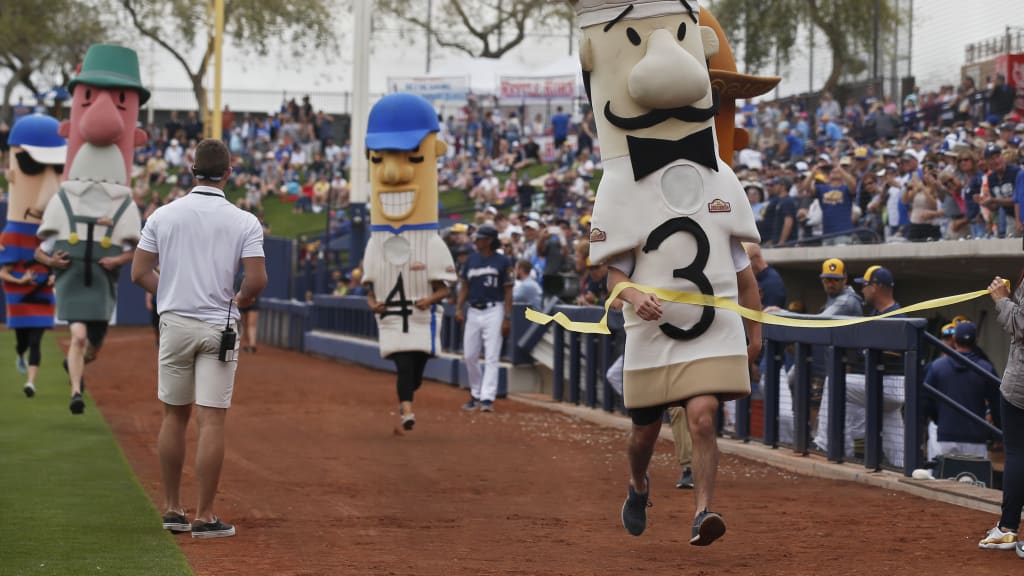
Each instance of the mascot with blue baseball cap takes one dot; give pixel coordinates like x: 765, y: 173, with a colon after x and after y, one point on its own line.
x: 407, y: 266
x: 34, y: 170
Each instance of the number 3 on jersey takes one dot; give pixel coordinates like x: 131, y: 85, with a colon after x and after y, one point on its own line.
x: 694, y: 273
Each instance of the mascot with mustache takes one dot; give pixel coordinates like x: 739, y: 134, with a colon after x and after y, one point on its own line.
x: 91, y: 225
x: 669, y: 214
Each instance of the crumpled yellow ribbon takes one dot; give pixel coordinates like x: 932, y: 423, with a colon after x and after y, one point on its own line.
x: 601, y: 327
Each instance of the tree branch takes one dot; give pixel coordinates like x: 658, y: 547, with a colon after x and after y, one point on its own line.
x: 152, y: 35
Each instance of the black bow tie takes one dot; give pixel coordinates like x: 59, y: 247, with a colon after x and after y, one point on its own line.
x: 650, y: 154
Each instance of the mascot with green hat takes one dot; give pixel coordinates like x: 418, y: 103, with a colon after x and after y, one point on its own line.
x: 91, y: 224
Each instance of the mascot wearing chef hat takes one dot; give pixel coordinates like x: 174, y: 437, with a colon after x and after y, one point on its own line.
x: 669, y: 214
x: 406, y: 264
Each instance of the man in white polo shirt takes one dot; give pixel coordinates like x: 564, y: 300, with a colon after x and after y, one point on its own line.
x: 198, y: 243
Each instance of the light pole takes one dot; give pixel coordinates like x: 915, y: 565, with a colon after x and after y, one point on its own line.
x: 430, y: 30
x: 359, y: 176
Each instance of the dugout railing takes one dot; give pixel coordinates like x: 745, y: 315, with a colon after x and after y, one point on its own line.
x: 888, y: 353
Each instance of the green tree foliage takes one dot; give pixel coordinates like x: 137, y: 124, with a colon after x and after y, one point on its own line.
x: 479, y: 28
x: 42, y: 41
x: 766, y: 30
x: 178, y: 25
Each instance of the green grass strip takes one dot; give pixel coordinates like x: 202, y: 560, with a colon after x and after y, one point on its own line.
x: 70, y: 502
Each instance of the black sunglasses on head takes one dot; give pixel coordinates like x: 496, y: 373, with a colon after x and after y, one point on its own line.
x: 30, y: 167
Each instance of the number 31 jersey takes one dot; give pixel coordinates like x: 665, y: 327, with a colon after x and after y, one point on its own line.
x: 401, y: 268
x: 679, y: 224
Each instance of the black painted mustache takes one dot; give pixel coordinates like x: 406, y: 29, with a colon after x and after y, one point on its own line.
x: 659, y: 115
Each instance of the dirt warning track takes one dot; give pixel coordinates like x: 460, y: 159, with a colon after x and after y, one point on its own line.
x: 317, y: 482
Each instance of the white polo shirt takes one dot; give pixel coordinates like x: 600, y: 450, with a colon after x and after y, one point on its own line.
x: 200, y: 240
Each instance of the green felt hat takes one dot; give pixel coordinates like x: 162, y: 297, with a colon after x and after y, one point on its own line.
x: 110, y: 66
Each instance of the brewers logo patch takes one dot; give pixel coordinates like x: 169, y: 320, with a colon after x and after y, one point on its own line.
x: 719, y: 205
x: 597, y: 235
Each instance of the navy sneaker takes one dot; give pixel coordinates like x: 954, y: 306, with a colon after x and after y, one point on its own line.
x: 176, y: 522
x: 685, y: 481
x: 77, y: 404
x: 708, y: 527
x: 473, y: 404
x: 486, y: 406
x: 215, y: 529
x: 634, y: 510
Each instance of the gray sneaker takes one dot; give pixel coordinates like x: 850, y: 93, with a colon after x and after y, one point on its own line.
x: 708, y: 527
x: 473, y: 404
x: 215, y: 529
x: 486, y: 406
x: 685, y: 481
x: 634, y: 510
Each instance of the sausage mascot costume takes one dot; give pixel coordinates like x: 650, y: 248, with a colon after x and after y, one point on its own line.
x: 407, y: 265
x: 33, y: 172
x: 669, y: 214
x: 92, y: 218
x: 730, y: 86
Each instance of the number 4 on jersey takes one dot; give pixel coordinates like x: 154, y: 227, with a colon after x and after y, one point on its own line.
x: 398, y: 305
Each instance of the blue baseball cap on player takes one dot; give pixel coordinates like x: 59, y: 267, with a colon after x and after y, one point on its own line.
x: 37, y: 134
x: 400, y: 122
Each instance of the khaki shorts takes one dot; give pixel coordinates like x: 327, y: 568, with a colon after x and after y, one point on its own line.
x: 189, y: 369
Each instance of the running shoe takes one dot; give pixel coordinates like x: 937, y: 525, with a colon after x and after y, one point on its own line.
x: 685, y: 481
x: 486, y: 406
x: 708, y: 527
x: 408, y: 421
x: 215, y: 529
x: 634, y: 510
x: 177, y: 522
x: 473, y: 404
x: 996, y: 539
x: 29, y: 389
x: 77, y: 404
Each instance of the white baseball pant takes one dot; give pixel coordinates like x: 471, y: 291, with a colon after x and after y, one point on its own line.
x: 483, y: 330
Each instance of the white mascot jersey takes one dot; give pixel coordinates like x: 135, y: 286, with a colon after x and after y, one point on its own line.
x: 401, y: 267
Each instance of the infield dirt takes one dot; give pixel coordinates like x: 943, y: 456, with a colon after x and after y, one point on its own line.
x: 317, y: 483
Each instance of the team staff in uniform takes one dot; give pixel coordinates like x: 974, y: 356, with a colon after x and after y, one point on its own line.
x: 407, y: 264
x: 487, y: 287
x: 35, y: 163
x: 199, y: 242
x: 1010, y: 315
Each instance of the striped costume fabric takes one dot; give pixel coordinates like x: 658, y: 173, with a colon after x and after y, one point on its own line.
x: 28, y: 305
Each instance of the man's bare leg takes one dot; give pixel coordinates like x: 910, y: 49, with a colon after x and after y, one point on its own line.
x: 641, y: 448
x: 76, y: 356
x: 701, y: 412
x: 209, y: 457
x: 171, y: 444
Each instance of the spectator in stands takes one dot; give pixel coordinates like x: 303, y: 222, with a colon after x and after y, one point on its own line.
x: 1010, y: 317
x: 833, y: 187
x: 1001, y: 179
x: 526, y: 290
x: 560, y: 127
x: 1000, y: 100
x: 923, y: 197
x: 958, y: 434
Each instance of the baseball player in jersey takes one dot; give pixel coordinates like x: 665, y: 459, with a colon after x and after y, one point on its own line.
x: 34, y: 167
x: 487, y: 280
x: 406, y: 265
x: 668, y: 214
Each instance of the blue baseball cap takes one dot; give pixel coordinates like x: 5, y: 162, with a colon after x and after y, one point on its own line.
x: 400, y: 122
x: 965, y: 333
x: 877, y: 275
x: 37, y: 134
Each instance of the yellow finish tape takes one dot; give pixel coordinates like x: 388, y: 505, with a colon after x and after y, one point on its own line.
x: 719, y: 302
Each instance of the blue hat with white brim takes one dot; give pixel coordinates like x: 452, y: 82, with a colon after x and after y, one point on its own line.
x: 37, y: 135
x: 400, y: 122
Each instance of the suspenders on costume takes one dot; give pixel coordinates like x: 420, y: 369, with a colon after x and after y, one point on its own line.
x: 91, y: 223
